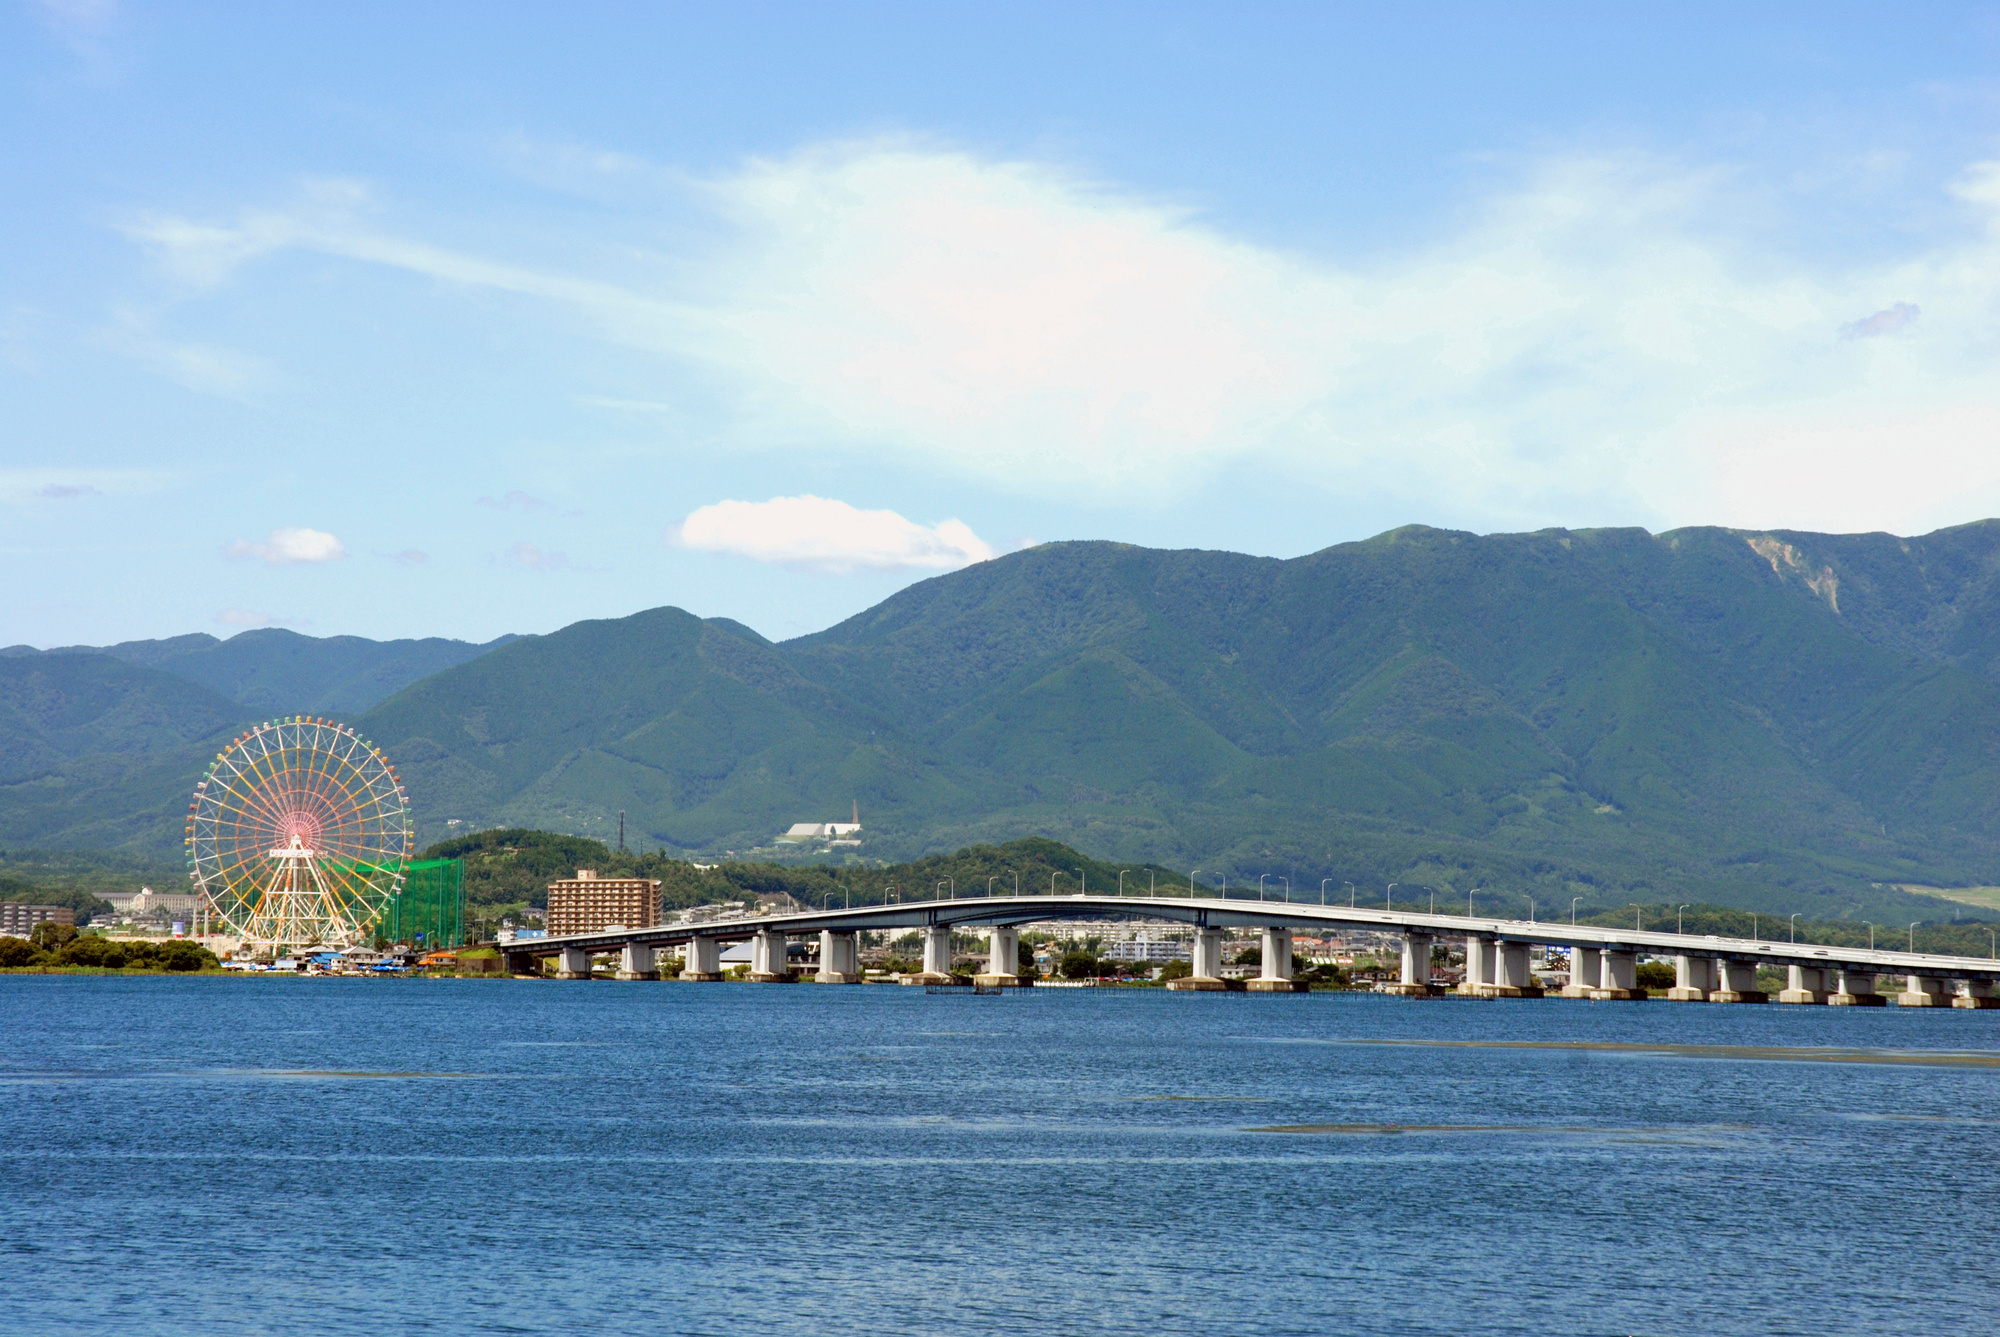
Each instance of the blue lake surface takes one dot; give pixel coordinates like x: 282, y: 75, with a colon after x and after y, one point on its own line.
x: 292, y: 1155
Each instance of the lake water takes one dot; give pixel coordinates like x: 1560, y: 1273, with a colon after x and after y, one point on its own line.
x: 290, y: 1155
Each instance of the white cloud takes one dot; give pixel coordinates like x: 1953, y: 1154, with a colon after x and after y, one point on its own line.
x: 830, y: 535
x: 1603, y: 341
x: 290, y: 547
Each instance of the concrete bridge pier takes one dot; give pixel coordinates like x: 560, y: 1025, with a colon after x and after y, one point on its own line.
x: 1206, y: 958
x: 1975, y: 994
x: 636, y: 962
x: 1003, y: 957
x: 1737, y: 983
x: 839, y: 959
x: 701, y: 961
x: 1276, y: 973
x: 767, y: 958
x: 1511, y: 976
x: 1855, y: 988
x: 1584, y: 979
x: 1922, y: 991
x: 1415, y: 981
x: 1618, y: 978
x: 1694, y: 978
x: 1804, y: 984
x: 573, y: 964
x: 1480, y: 965
x: 937, y: 957
x: 520, y: 963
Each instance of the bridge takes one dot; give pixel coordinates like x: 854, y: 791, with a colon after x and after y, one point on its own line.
x: 1603, y: 961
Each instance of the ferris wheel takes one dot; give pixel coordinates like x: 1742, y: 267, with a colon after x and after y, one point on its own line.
x: 298, y: 835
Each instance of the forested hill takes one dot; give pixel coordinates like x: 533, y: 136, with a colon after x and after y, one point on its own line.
x: 1752, y: 718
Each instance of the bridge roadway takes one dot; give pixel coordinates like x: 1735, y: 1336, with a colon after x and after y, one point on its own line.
x: 1708, y: 968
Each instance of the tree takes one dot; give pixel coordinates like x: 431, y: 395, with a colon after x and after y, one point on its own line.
x: 18, y: 952
x: 182, y: 955
x: 1077, y: 964
x: 50, y: 935
x: 91, y: 950
x: 1655, y: 975
x: 1176, y: 970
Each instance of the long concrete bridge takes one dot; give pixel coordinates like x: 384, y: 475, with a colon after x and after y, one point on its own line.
x: 1603, y: 960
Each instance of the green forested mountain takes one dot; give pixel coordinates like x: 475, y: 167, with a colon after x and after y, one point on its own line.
x: 1751, y: 718
x: 272, y: 671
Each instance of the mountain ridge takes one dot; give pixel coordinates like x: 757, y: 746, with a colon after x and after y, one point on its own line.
x: 1747, y: 714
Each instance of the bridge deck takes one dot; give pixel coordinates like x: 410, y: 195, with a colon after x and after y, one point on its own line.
x: 1218, y: 912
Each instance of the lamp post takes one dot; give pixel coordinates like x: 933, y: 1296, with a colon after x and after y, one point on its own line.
x: 1350, y: 895
x: 1288, y: 887
x: 1260, y: 885
x: 1434, y: 899
x: 1052, y: 881
x: 1322, y: 889
x: 1913, y: 935
x: 1871, y: 935
x: 1017, y: 882
x: 1470, y: 892
x: 1531, y: 909
x: 1638, y: 917
x: 1388, y: 897
x: 936, y: 892
x: 1121, y: 880
x: 1191, y: 873
x: 1792, y: 927
x: 1993, y: 944
x: 1677, y: 916
x: 989, y: 885
x: 1572, y: 910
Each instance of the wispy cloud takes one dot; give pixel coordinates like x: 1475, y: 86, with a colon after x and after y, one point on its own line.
x: 290, y: 547
x: 201, y: 367
x: 529, y: 557
x: 20, y: 487
x: 86, y: 27
x: 830, y: 535
x: 1593, y: 341
x: 1886, y: 321
x: 245, y: 618
x: 410, y: 557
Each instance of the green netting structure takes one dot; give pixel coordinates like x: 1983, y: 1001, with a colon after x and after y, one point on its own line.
x: 429, y: 911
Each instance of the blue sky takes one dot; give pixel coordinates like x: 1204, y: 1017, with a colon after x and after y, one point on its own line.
x: 398, y: 320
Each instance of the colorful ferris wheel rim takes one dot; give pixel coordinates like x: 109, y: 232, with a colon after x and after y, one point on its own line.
x: 299, y: 834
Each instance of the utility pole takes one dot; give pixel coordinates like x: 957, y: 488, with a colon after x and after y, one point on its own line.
x: 621, y: 830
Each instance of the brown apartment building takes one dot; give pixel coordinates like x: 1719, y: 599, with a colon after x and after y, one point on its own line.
x: 18, y: 921
x: 588, y: 903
